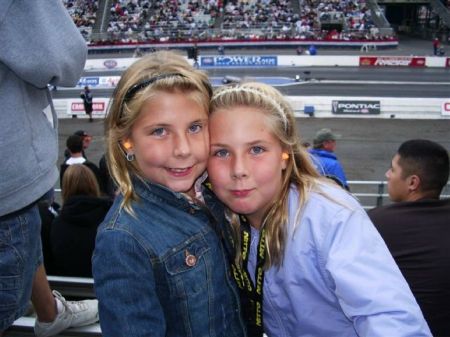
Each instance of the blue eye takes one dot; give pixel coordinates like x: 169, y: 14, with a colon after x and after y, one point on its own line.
x: 221, y: 153
x: 256, y: 150
x: 159, y: 132
x: 195, y: 128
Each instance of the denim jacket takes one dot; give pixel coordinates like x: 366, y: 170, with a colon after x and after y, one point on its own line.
x: 163, y: 272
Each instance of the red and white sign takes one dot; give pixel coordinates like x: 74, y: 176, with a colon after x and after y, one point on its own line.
x: 392, y: 61
x: 76, y: 107
x: 445, y: 110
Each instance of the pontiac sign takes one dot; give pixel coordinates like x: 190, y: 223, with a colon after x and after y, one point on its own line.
x: 355, y: 107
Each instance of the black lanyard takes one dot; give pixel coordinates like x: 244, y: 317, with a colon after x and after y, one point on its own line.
x: 251, y: 294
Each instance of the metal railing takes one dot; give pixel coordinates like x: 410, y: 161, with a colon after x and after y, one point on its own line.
x: 374, y: 193
x: 370, y: 194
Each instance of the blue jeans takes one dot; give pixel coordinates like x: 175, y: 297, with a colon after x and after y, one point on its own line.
x: 20, y: 255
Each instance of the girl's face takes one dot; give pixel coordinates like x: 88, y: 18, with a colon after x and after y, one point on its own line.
x: 170, y: 141
x: 245, y: 164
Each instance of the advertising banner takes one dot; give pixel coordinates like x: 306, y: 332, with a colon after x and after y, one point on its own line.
x: 76, y: 106
x: 392, y: 61
x: 238, y: 61
x: 108, y: 64
x: 88, y: 81
x: 98, y: 81
x: 445, y: 110
x: 447, y: 63
x: 355, y: 107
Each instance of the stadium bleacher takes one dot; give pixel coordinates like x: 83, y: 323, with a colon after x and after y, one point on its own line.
x: 157, y: 21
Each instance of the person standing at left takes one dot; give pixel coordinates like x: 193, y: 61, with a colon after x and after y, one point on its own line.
x: 40, y: 46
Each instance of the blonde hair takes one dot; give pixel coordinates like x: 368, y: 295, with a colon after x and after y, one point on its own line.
x: 299, y: 172
x: 157, y: 72
x: 78, y: 179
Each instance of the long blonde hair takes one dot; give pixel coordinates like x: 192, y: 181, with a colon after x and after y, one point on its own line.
x: 299, y: 172
x: 157, y: 72
x: 78, y: 179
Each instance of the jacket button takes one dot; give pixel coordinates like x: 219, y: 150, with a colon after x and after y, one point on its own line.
x: 191, y: 260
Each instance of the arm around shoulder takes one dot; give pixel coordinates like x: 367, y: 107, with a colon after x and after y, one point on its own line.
x: 125, y: 287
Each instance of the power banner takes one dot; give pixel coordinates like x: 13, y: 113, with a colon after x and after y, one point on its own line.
x: 355, y: 107
x: 238, y: 61
x: 392, y: 61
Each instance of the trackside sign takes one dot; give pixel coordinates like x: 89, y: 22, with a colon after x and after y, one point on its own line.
x: 355, y: 107
x: 392, y: 61
x: 239, y: 61
x: 76, y: 107
x: 445, y: 111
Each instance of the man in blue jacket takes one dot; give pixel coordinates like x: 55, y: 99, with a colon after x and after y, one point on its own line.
x: 324, y: 145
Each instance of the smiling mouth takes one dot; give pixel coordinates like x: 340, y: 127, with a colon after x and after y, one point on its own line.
x: 179, y: 172
x: 241, y: 193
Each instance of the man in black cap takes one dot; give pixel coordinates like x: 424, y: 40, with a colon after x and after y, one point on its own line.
x: 324, y: 145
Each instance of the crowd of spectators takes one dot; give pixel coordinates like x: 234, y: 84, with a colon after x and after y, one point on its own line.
x: 149, y: 21
x: 158, y: 20
x: 83, y: 13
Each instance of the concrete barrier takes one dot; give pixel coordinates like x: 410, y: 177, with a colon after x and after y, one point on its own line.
x: 389, y: 107
x: 281, y: 60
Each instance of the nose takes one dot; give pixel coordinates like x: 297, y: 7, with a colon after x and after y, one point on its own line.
x: 182, y: 147
x: 239, y: 168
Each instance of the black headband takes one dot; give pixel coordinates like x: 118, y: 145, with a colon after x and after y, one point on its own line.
x: 141, y: 85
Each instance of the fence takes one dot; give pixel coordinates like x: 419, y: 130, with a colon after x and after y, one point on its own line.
x: 369, y: 193
x: 374, y: 193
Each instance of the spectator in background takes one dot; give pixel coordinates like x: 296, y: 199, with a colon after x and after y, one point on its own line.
x: 75, y: 146
x: 436, y: 46
x: 48, y: 211
x: 312, y: 50
x: 40, y: 45
x: 105, y: 178
x: 326, y: 162
x: 87, y: 98
x: 87, y: 139
x: 416, y: 227
x: 72, y: 233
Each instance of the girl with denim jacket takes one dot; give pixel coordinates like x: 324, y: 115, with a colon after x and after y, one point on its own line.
x: 308, y: 260
x: 159, y: 265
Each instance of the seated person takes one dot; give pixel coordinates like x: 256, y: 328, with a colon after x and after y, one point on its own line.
x: 73, y: 232
x: 325, y: 159
x: 74, y: 144
x: 48, y: 211
x: 416, y: 227
x: 87, y: 139
x: 106, y: 182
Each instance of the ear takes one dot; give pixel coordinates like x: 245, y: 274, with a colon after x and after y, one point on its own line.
x: 127, y: 144
x: 413, y: 183
x: 284, y: 159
